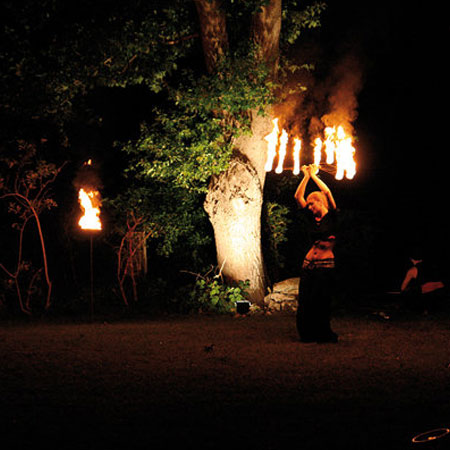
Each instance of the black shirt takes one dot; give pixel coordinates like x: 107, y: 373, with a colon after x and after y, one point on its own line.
x: 324, y: 228
x: 318, y: 230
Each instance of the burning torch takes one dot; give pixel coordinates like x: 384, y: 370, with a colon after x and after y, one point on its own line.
x: 90, y: 222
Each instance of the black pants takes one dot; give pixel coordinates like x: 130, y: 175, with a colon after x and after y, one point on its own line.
x: 316, y: 290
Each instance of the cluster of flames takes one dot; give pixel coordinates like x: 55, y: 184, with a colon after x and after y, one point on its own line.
x: 337, y: 146
x: 90, y: 204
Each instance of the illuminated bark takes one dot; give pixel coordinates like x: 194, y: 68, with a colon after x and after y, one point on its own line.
x: 233, y: 203
x: 235, y: 197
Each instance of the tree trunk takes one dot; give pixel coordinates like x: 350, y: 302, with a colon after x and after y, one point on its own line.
x: 234, y: 203
x: 214, y: 32
x: 266, y: 27
x: 235, y: 197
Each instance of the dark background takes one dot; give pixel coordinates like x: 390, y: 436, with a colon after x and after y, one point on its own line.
x: 401, y: 122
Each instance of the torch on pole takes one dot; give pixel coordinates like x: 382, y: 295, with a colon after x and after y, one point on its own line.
x: 90, y: 222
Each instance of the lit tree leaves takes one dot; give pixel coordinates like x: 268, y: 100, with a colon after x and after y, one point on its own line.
x: 297, y: 17
x: 192, y: 139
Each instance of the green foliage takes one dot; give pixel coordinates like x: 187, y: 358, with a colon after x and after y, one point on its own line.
x: 296, y: 18
x: 212, y: 294
x: 190, y: 139
x: 145, y: 48
x: 59, y: 51
x: 172, y: 217
x: 179, y: 150
x: 276, y: 224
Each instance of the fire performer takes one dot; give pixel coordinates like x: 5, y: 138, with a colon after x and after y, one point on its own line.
x: 317, y: 277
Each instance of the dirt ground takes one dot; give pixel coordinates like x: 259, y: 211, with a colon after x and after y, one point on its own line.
x: 207, y: 382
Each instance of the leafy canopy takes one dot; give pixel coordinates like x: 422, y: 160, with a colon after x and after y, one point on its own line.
x: 56, y: 53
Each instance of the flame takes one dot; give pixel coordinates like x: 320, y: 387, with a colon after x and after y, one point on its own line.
x: 317, y: 151
x: 337, y: 145
x: 297, y: 148
x: 272, y: 140
x: 282, y: 151
x: 344, y: 159
x: 340, y: 146
x: 90, y: 220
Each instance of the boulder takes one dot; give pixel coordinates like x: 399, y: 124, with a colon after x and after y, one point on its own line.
x: 283, y: 296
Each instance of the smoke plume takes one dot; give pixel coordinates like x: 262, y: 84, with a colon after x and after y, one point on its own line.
x: 330, y: 97
x: 345, y: 85
x: 87, y: 177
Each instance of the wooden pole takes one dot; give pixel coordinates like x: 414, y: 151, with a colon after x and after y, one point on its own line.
x: 91, y: 306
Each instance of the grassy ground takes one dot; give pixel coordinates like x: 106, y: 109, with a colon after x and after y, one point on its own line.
x: 224, y: 382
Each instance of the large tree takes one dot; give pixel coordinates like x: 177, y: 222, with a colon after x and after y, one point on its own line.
x: 207, y: 135
x: 235, y: 196
x: 225, y: 116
